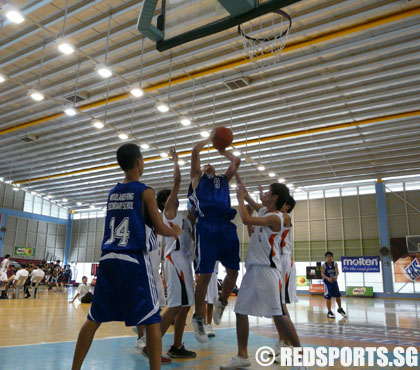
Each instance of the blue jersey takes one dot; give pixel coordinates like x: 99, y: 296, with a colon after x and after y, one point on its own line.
x: 125, y: 226
x: 211, y: 198
x: 329, y: 271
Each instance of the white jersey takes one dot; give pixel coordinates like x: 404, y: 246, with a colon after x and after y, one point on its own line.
x: 264, y: 246
x: 182, y: 243
x: 154, y: 247
x: 3, y: 265
x: 286, y: 239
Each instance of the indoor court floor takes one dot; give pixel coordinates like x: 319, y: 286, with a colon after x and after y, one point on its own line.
x: 43, y: 332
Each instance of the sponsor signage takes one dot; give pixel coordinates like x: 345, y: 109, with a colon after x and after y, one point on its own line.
x: 24, y: 251
x: 359, y: 291
x: 360, y: 264
x: 316, y: 288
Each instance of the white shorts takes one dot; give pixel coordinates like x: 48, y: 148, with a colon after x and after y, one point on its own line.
x: 212, y: 290
x: 288, y: 276
x: 159, y: 287
x: 3, y: 276
x: 179, y: 280
x: 260, y: 292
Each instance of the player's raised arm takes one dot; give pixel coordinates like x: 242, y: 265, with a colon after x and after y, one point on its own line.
x: 256, y: 206
x: 235, y: 162
x: 195, y: 172
x: 273, y: 222
x: 171, y: 205
x: 151, y: 207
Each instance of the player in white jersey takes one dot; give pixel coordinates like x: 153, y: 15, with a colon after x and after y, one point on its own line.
x: 178, y: 265
x: 212, y: 293
x: 260, y: 291
x: 4, y: 267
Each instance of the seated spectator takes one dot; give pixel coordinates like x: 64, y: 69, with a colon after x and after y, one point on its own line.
x: 21, y: 272
x: 83, y: 293
x: 36, y: 272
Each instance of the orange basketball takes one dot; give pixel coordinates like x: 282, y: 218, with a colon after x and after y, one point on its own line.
x: 223, y: 138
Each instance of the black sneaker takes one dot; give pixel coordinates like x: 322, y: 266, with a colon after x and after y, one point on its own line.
x: 330, y: 315
x: 181, y: 353
x: 164, y: 360
x: 342, y: 312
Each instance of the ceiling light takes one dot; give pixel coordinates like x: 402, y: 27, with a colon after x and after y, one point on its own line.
x: 103, y: 71
x: 236, y: 153
x: 65, y: 200
x: 33, y: 192
x: 1, y: 178
x: 2, y: 78
x: 137, y: 92
x: 123, y: 136
x: 145, y: 146
x: 49, y: 196
x: 233, y: 186
x: 92, y: 206
x: 65, y: 48
x: 290, y: 186
x: 271, y: 174
x: 79, y: 203
x: 14, y: 15
x: 70, y: 111
x: 163, y: 108
x: 298, y: 190
x: 36, y: 95
x: 181, y: 162
x: 260, y: 167
x: 185, y: 121
x: 281, y: 180
x: 15, y: 188
x: 97, y: 124
x: 204, y: 133
x: 163, y: 154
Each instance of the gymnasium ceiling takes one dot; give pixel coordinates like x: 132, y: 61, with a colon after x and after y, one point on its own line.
x: 342, y: 104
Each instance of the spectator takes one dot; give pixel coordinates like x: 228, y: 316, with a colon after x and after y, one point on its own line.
x: 36, y: 272
x: 21, y: 272
x: 83, y: 293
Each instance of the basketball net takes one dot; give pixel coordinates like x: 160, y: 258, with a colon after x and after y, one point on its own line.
x: 265, y: 37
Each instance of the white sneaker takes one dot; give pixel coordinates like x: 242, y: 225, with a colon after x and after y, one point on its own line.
x: 236, y: 363
x: 219, y: 307
x: 141, y: 342
x: 210, y: 331
x: 199, y: 330
x: 278, y: 345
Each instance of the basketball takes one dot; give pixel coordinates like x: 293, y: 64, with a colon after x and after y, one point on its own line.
x: 223, y: 138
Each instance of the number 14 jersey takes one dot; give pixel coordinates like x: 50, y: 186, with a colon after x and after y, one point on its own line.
x: 125, y: 226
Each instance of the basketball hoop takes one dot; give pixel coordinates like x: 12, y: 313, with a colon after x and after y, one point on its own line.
x: 265, y: 37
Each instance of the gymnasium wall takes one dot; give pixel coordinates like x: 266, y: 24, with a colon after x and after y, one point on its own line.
x: 11, y: 199
x: 44, y: 236
x: 346, y: 225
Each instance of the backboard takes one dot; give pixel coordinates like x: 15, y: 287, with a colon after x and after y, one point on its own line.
x: 182, y: 21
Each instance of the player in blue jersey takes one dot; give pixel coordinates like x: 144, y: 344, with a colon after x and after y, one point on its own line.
x: 216, y: 238
x: 329, y: 273
x: 125, y: 289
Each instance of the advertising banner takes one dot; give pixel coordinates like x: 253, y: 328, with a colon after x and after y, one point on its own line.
x: 24, y: 251
x: 359, y: 291
x: 361, y: 264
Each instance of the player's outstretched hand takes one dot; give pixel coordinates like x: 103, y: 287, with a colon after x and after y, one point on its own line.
x: 241, y: 192
x: 249, y: 209
x: 177, y: 229
x: 173, y: 154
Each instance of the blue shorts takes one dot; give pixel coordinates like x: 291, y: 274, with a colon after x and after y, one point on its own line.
x: 331, y: 290
x: 125, y: 290
x: 215, y: 242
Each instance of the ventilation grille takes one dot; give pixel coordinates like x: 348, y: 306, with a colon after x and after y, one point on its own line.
x: 238, y: 83
x: 29, y: 139
x: 76, y: 98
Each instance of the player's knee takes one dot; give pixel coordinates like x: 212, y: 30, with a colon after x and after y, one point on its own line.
x: 232, y: 274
